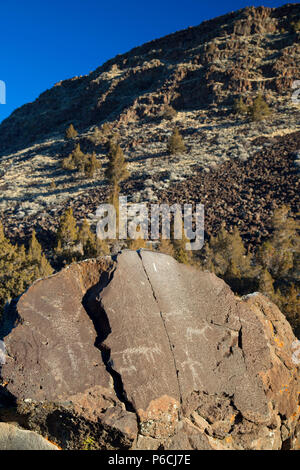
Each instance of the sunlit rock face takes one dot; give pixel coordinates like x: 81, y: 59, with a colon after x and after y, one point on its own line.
x: 139, y: 351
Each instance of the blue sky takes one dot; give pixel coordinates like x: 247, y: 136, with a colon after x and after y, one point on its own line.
x: 43, y: 41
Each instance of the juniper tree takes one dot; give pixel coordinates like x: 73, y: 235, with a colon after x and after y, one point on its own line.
x: 83, y: 163
x: 181, y: 254
x: 40, y: 265
x: 239, y: 107
x: 91, y: 165
x: 75, y: 160
x: 102, y: 247
x: 296, y: 25
x: 279, y: 253
x: 227, y: 255
x: 106, y: 128
x: 19, y: 269
x: 266, y: 284
x: 218, y: 251
x: 259, y: 109
x: 87, y: 240
x: 175, y: 143
x: 116, y: 172
x: 290, y: 306
x: 67, y: 233
x: 137, y: 244
x: 71, y: 132
x: 176, y: 247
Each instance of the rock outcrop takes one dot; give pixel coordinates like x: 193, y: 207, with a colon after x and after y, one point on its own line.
x: 14, y: 438
x: 200, y: 72
x: 253, y: 49
x: 140, y: 352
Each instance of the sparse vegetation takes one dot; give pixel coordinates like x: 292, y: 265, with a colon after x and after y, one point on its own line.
x: 259, y: 109
x: 273, y: 269
x: 67, y: 234
x: 116, y: 170
x: 89, y: 444
x: 175, y: 143
x: 239, y: 107
x: 86, y: 164
x: 71, y: 132
x: 100, y: 134
x: 19, y: 267
x: 169, y: 113
x: 75, y: 243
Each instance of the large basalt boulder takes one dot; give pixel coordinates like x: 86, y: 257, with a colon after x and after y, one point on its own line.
x: 142, y: 352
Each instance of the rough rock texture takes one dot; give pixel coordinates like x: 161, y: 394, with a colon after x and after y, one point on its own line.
x: 14, y: 438
x: 189, y: 69
x: 142, y: 352
x: 200, y: 72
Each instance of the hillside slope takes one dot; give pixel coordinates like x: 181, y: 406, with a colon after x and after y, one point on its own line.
x: 199, y: 71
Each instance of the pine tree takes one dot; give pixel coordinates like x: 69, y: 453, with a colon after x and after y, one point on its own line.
x: 175, y: 143
x: 71, y: 132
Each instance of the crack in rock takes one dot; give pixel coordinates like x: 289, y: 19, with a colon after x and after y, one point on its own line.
x: 103, y: 329
x: 150, y: 316
x: 165, y: 327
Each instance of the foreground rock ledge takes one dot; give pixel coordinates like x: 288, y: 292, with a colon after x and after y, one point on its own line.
x: 140, y: 352
x: 14, y: 438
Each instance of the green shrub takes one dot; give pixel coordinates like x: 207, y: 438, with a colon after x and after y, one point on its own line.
x: 83, y: 163
x: 259, y: 109
x: 71, y: 132
x: 175, y: 143
x: 19, y: 268
x: 239, y: 107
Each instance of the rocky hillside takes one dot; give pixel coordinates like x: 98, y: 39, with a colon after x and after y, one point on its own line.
x: 242, y: 52
x: 199, y: 71
x: 178, y: 362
